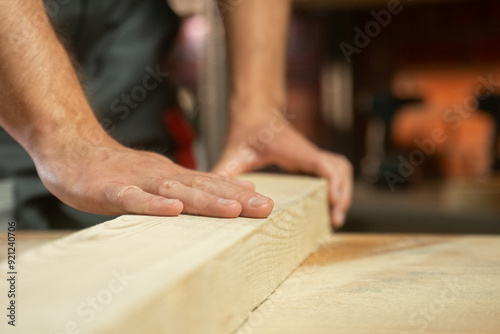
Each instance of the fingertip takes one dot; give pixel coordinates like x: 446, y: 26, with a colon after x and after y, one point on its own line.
x: 228, y: 208
x: 267, y: 208
x: 258, y: 207
x: 230, y: 204
x: 338, y: 218
x: 133, y: 200
x: 173, y: 206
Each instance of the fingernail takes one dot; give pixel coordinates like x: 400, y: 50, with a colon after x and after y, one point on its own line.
x: 257, y: 201
x: 169, y: 201
x: 339, y: 218
x: 226, y: 202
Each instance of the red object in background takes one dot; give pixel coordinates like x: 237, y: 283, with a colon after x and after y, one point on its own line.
x: 183, y: 135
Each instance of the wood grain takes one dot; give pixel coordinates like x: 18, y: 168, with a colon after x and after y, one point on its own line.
x: 183, y: 274
x: 389, y: 284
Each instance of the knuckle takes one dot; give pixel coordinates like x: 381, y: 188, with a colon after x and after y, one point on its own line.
x: 127, y: 193
x: 199, y: 182
x: 169, y: 185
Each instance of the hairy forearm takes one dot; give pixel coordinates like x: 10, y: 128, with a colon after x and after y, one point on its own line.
x: 44, y: 109
x: 43, y: 105
x: 256, y: 33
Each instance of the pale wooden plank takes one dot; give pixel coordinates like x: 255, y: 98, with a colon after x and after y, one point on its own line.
x: 389, y: 284
x: 182, y: 274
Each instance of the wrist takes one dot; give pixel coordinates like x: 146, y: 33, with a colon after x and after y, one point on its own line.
x: 254, y: 105
x: 67, y: 137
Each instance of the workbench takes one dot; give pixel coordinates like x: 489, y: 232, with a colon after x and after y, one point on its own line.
x: 351, y: 283
x: 362, y: 283
x: 377, y: 283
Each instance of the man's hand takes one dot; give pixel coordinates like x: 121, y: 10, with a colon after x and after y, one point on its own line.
x: 45, y: 110
x: 256, y: 32
x: 107, y: 178
x: 269, y: 139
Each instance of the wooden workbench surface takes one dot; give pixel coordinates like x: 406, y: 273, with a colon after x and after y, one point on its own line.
x: 389, y: 284
x: 379, y: 284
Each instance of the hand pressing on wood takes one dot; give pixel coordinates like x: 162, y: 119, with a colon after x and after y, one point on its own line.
x: 270, y: 139
x: 45, y: 110
x: 259, y: 135
x: 107, y: 178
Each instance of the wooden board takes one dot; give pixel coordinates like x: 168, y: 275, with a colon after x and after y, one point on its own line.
x: 183, y: 274
x: 389, y: 284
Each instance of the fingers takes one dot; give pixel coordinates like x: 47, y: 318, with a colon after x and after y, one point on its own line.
x: 338, y: 171
x: 199, y: 202
x: 133, y: 200
x: 118, y: 180
x: 252, y: 204
x: 193, y: 193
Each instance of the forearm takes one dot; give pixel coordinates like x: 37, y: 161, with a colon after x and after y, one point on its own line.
x: 256, y: 33
x: 43, y: 105
x: 45, y: 110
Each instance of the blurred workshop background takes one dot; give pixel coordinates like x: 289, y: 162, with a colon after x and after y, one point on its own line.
x: 408, y: 90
